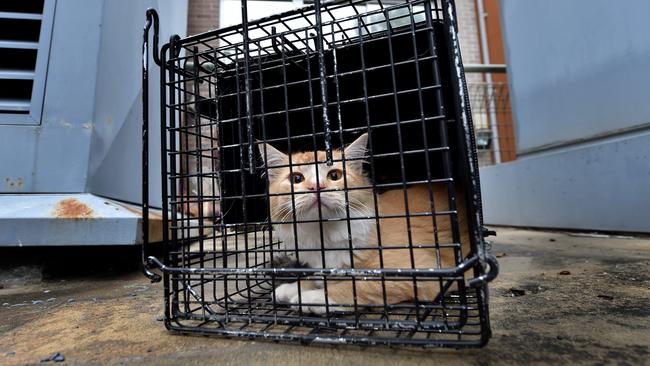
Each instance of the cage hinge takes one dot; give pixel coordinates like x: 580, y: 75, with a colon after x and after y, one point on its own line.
x: 151, y: 262
x: 491, y: 267
x: 487, y: 232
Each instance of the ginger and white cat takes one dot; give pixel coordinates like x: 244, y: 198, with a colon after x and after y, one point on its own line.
x: 295, y: 191
x: 304, y: 202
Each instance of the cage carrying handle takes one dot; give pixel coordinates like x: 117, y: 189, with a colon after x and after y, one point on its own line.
x: 152, y: 17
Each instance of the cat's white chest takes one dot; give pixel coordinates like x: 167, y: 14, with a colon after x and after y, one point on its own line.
x: 337, y: 239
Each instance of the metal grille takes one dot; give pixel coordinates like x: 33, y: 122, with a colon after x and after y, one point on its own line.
x: 335, y: 186
x: 25, y: 29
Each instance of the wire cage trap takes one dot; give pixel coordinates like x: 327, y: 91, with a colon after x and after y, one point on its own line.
x: 319, y: 178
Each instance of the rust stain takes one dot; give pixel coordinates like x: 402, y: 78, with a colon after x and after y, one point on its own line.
x: 14, y: 185
x: 71, y: 208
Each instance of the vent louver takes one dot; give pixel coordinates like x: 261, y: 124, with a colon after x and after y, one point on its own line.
x: 25, y: 28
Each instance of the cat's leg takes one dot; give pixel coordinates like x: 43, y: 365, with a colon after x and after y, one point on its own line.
x: 340, y: 295
x: 287, y: 291
x: 313, y: 301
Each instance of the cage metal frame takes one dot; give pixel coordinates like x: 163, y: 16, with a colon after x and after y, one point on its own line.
x: 187, y: 275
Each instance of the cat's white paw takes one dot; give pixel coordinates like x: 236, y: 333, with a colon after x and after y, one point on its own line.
x: 314, y: 302
x: 286, y: 291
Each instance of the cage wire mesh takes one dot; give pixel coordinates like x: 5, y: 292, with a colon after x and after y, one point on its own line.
x: 320, y: 179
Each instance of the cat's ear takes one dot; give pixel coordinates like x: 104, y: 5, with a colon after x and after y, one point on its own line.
x: 357, y: 150
x: 274, y: 157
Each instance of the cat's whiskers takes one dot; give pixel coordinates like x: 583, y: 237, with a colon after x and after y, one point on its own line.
x: 282, y: 210
x: 288, y: 214
x: 330, y: 204
x: 360, y: 207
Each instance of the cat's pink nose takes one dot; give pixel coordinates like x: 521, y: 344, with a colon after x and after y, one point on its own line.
x: 312, y: 186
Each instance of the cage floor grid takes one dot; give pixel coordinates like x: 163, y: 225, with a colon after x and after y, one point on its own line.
x: 263, y: 319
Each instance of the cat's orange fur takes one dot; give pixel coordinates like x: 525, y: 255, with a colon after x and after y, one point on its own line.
x: 394, y: 232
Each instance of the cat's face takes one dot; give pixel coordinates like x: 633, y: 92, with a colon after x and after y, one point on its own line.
x: 308, y: 173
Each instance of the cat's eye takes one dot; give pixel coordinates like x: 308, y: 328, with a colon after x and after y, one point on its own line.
x: 335, y: 174
x: 296, y: 178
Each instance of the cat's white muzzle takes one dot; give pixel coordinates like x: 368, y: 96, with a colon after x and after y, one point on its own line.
x: 308, y: 207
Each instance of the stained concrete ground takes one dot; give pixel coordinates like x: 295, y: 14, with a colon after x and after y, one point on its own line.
x: 580, y: 300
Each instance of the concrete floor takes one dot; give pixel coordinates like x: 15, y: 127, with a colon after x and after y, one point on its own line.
x: 596, y: 313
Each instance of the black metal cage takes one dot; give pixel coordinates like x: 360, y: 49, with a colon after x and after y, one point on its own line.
x: 319, y: 178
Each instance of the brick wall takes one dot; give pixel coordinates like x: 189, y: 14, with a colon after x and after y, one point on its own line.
x: 202, y: 15
x: 468, y: 31
x: 469, y: 35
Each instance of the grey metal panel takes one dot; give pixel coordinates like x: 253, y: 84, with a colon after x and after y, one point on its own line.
x: 62, y: 158
x: 53, y: 157
x: 39, y: 75
x: 16, y: 163
x: 577, y: 68
x: 75, y: 219
x: 37, y: 220
x: 114, y: 168
x: 47, y: 158
x: 602, y: 185
x: 92, y: 99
